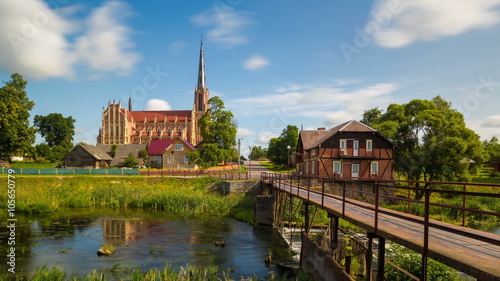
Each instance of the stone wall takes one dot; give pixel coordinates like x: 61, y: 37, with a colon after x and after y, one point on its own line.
x: 264, y: 210
x: 249, y: 187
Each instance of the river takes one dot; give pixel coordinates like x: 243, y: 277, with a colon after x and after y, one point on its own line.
x: 144, y: 240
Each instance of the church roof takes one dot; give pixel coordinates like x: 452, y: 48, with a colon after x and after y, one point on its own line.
x: 160, y: 116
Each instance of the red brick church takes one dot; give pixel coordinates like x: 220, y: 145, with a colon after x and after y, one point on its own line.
x: 125, y: 126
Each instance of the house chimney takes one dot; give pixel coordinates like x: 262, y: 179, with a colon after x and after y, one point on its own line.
x: 321, y: 129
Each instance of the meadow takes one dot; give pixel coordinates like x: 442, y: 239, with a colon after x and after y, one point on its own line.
x: 186, y: 197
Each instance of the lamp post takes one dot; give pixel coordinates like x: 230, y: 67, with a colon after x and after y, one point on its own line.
x: 250, y: 160
x: 288, y: 162
x: 239, y: 153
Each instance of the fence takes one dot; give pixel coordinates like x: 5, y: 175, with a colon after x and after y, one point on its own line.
x: 65, y: 171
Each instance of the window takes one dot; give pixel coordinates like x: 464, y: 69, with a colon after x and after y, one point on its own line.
x: 374, y: 168
x: 312, y: 167
x: 179, y: 147
x: 170, y: 159
x: 157, y: 159
x: 313, y: 152
x: 337, y: 167
x: 186, y: 160
x: 307, y: 167
x: 369, y: 145
x: 343, y: 145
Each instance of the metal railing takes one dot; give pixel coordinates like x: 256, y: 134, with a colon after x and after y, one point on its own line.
x: 380, y: 196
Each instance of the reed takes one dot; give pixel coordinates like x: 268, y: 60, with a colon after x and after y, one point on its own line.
x: 187, y: 197
x: 188, y: 273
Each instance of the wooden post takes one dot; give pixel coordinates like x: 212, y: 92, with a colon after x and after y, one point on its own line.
x: 369, y: 257
x: 426, y: 235
x: 381, y: 259
x: 334, y: 231
x: 306, y: 217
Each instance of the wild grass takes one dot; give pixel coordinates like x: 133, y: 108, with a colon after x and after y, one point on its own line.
x: 33, y: 165
x: 276, y: 168
x: 188, y: 273
x: 186, y: 197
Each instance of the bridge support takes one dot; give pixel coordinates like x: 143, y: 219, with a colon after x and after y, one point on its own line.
x: 306, y: 218
x: 334, y: 231
x: 380, y: 257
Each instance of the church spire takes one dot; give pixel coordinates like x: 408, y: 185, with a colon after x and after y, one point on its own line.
x: 130, y: 103
x: 201, y: 91
x: 202, y: 83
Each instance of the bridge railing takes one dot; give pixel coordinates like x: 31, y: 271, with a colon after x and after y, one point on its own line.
x: 396, y: 197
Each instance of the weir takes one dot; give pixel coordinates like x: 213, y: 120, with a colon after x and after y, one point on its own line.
x: 332, y: 255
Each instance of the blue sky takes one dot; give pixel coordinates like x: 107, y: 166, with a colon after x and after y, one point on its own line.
x: 274, y: 63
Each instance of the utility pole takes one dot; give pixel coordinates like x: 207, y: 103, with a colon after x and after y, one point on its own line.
x: 239, y: 152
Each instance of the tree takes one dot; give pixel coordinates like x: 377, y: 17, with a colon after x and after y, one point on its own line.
x: 492, y: 149
x: 131, y: 161
x: 431, y: 139
x: 42, y: 150
x: 56, y: 129
x: 278, y: 151
x: 218, y: 129
x: 17, y: 134
x: 258, y: 153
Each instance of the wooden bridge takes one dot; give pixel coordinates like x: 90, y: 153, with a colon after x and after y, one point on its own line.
x: 470, y: 251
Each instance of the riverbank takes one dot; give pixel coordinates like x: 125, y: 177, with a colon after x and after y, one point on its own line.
x: 185, y: 197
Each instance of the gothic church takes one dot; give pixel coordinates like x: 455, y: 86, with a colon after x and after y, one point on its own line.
x: 125, y: 126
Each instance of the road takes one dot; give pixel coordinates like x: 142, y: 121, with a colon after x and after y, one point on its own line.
x: 255, y: 169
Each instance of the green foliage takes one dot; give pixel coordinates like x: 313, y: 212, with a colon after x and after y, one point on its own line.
x: 432, y: 140
x: 258, y: 153
x: 218, y: 130
x: 492, y: 149
x: 277, y: 151
x: 131, y: 161
x: 17, y: 134
x: 114, y: 147
x: 411, y: 262
x: 42, y: 150
x: 143, y: 153
x: 56, y: 129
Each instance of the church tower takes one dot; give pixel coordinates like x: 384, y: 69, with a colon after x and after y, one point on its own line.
x: 201, y: 93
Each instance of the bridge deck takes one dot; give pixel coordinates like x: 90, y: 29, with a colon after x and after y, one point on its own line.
x: 462, y: 248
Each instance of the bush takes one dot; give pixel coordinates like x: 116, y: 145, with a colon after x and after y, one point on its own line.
x: 411, y: 262
x: 494, y: 174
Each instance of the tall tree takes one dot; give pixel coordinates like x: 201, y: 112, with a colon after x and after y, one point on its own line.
x: 432, y: 141
x: 218, y: 130
x: 17, y: 134
x: 278, y: 150
x: 492, y: 149
x: 55, y: 128
x: 258, y: 153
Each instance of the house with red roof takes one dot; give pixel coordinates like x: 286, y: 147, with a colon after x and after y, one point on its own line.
x: 348, y: 151
x: 169, y: 153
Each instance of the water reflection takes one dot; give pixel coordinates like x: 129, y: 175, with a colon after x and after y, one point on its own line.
x: 146, y: 240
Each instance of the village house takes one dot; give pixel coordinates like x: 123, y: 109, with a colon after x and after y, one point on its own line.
x: 169, y: 153
x: 350, y: 150
x: 87, y: 156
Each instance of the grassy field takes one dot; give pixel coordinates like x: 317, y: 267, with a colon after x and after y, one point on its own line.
x: 186, y: 197
x: 276, y: 168
x: 33, y: 165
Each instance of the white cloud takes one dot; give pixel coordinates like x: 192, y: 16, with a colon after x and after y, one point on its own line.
x: 105, y: 43
x: 405, y: 22
x: 264, y: 137
x: 255, y: 62
x: 226, y: 26
x: 327, y: 102
x: 491, y: 121
x: 178, y: 47
x: 157, y: 104
x: 242, y: 132
x: 42, y: 42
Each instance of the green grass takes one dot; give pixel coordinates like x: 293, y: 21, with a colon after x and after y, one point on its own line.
x: 185, y: 197
x: 276, y: 168
x: 188, y: 273
x: 33, y: 165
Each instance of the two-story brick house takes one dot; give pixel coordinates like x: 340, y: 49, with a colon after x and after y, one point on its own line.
x: 349, y: 150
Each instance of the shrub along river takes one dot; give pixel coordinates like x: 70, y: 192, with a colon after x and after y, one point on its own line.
x: 70, y: 238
